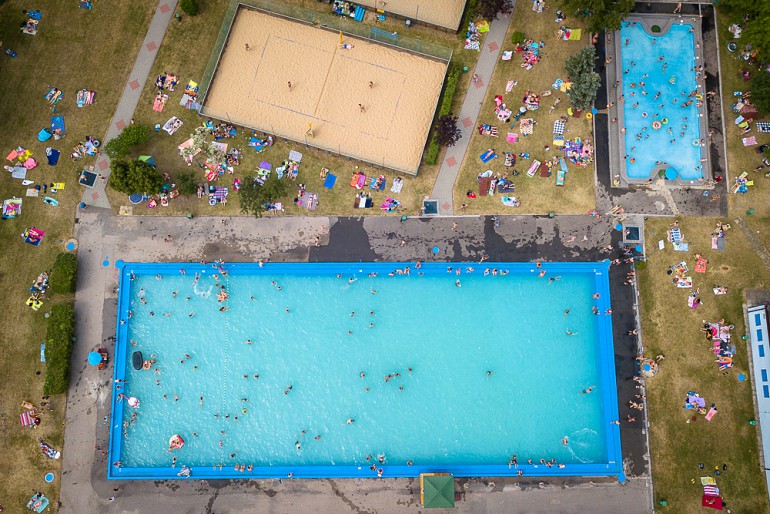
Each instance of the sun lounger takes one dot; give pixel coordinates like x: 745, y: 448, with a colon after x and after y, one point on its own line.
x: 533, y: 168
x: 398, y: 183
x: 329, y: 181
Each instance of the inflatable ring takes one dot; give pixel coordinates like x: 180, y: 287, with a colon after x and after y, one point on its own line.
x: 589, y: 115
x: 699, y: 96
x: 147, y: 365
x: 672, y: 80
x: 732, y: 47
x: 696, y: 142
x: 656, y: 125
x: 664, y: 121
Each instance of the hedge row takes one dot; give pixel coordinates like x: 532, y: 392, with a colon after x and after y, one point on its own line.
x: 64, y: 274
x: 59, y: 337
x: 453, y: 78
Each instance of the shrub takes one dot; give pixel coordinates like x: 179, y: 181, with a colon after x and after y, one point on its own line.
x: 453, y: 78
x: 59, y: 336
x: 189, y: 7
x: 254, y: 196
x: 518, y: 37
x: 64, y: 274
x: 585, y: 81
x: 132, y: 135
x: 656, y: 29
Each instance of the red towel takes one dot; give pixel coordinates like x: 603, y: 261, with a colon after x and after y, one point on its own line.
x: 712, y: 502
x: 484, y: 186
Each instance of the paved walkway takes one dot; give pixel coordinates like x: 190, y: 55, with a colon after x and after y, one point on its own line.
x: 124, y: 112
x: 469, y: 113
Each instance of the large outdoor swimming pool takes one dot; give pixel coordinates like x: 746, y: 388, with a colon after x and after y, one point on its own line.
x: 657, y: 80
x: 456, y: 378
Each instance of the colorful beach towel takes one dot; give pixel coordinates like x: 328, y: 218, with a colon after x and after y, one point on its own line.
x: 700, y: 266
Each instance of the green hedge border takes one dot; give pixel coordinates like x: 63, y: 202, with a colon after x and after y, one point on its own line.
x: 447, y: 99
x: 64, y: 274
x: 59, y: 337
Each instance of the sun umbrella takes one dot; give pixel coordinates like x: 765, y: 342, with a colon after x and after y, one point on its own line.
x: 94, y: 359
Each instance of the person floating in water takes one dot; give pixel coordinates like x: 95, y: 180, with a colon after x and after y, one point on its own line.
x: 569, y: 333
x: 588, y: 390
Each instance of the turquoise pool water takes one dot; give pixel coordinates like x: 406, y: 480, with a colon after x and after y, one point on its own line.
x: 437, y: 341
x: 673, y: 78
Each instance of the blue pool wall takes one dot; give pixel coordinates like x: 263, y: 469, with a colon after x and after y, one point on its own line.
x: 607, y: 386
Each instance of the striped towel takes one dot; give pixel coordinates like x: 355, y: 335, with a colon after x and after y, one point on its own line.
x: 711, y: 490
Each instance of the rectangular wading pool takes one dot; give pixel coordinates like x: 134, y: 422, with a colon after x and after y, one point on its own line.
x: 316, y: 370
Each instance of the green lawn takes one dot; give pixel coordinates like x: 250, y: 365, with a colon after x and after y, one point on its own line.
x: 185, y: 52
x: 671, y: 328
x: 538, y: 194
x: 72, y: 50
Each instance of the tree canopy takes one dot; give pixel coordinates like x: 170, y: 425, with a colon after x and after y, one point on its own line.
x: 489, y: 9
x: 601, y: 14
x: 760, y: 91
x: 132, y: 135
x: 255, y: 197
x: 585, y: 81
x: 754, y: 17
x: 134, y: 177
x: 447, y: 131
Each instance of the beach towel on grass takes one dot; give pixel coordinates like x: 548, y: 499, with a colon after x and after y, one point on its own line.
x: 53, y: 156
x: 558, y: 127
x: 712, y: 502
x: 708, y: 481
x: 749, y: 141
x: 330, y: 181
x: 398, y: 183
x: 682, y: 247
x: 487, y: 156
x: 533, y: 168
x: 711, y: 490
x: 762, y: 126
x: 700, y: 266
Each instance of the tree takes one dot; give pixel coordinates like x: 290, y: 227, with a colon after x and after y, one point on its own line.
x: 585, y: 81
x: 189, y: 7
x: 447, y: 131
x: 134, y: 177
x: 754, y: 18
x: 601, y: 14
x: 760, y: 91
x: 132, y: 135
x: 489, y: 9
x: 255, y: 197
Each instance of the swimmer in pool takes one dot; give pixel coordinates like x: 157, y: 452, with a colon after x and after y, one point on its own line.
x: 588, y: 390
x: 350, y: 421
x: 457, y: 283
x: 571, y: 333
x: 351, y: 280
x: 490, y: 373
x: 567, y: 311
x: 362, y: 374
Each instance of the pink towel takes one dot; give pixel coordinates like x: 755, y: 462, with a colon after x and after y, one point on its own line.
x: 712, y: 412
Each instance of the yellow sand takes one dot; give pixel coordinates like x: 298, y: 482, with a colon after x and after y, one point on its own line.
x: 444, y: 13
x: 251, y: 88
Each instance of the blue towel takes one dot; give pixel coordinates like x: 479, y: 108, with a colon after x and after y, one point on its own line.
x: 488, y: 157
x: 53, y: 157
x: 42, y: 352
x: 330, y: 181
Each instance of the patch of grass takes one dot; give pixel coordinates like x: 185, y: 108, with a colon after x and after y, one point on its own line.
x: 73, y: 49
x: 59, y: 337
x: 538, y: 195
x: 64, y: 274
x: 671, y: 328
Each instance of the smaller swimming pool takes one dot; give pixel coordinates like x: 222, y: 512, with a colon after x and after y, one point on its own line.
x: 662, y: 99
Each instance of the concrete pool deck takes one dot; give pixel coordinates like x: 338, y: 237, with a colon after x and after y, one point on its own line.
x: 106, y: 237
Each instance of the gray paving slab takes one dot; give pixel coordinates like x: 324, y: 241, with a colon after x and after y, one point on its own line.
x: 129, y: 99
x: 469, y: 113
x: 104, y: 238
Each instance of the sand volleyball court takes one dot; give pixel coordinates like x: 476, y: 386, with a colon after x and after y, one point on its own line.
x: 365, y: 100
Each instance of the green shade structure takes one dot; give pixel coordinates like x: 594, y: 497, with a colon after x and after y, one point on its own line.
x: 437, y: 491
x: 148, y: 159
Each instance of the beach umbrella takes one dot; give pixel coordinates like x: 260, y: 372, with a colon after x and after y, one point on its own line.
x: 94, y: 358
